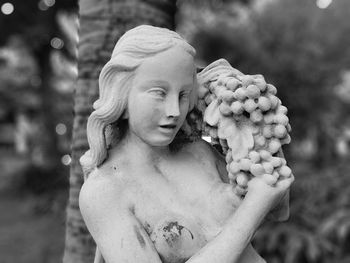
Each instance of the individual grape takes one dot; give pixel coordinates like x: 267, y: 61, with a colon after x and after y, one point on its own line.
x: 280, y: 131
x: 269, y: 118
x: 264, y: 103
x: 257, y: 169
x: 285, y: 171
x: 289, y: 128
x: 282, y: 110
x: 226, y: 95
x: 274, y: 101
x: 265, y: 155
x: 261, y: 84
x: 269, y: 179
x: 253, y: 91
x: 267, y: 131
x: 225, y: 109
x: 274, y: 145
x: 268, y: 167
x: 282, y: 119
x: 233, y: 84
x: 240, y: 94
x: 256, y: 116
x: 234, y: 167
x: 249, y: 105
x: 245, y: 164
x: 260, y: 140
x: 276, y: 162
x: 254, y: 156
x: 271, y: 89
x: 247, y: 80
x: 242, y: 180
x: 286, y: 140
x: 237, y: 107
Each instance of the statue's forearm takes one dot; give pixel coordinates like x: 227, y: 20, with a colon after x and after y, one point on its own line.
x: 232, y: 243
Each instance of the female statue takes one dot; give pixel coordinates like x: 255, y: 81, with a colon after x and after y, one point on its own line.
x: 149, y: 195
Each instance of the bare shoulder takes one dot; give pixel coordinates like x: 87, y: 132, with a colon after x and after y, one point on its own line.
x: 206, y: 153
x: 102, y: 191
x: 111, y: 220
x: 201, y: 148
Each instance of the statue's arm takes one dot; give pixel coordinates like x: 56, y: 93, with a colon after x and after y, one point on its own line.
x: 118, y: 234
x: 232, y: 244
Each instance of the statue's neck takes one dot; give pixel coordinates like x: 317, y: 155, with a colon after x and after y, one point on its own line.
x: 140, y: 151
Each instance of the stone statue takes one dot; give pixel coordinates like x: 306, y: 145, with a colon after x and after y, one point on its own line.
x: 154, y: 190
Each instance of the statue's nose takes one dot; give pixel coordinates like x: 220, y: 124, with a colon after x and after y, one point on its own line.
x: 172, y: 107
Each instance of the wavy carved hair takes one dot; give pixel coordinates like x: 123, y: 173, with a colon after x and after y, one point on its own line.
x: 131, y: 50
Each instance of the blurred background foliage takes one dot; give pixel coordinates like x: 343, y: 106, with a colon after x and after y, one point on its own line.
x: 302, y: 47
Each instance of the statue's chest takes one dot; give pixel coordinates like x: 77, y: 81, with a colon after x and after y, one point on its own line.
x: 182, y: 213
x: 185, y: 193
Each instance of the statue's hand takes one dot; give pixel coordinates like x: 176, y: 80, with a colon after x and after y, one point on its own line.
x: 267, y: 191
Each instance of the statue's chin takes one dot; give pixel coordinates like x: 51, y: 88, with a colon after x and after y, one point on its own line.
x: 160, y: 140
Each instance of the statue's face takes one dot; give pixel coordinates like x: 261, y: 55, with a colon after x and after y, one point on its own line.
x: 160, y: 95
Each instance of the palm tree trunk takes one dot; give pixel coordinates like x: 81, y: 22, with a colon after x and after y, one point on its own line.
x: 102, y: 22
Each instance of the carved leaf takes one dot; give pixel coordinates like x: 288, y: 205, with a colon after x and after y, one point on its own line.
x: 212, y: 113
x: 239, y: 135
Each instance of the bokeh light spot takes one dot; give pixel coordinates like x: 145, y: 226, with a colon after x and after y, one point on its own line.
x: 61, y: 129
x: 56, y: 43
x: 42, y: 6
x: 49, y: 3
x: 323, y: 3
x: 7, y: 8
x: 66, y: 159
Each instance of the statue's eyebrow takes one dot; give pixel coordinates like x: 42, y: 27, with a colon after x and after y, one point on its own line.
x: 152, y: 83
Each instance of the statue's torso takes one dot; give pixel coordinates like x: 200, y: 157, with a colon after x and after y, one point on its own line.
x: 180, y: 201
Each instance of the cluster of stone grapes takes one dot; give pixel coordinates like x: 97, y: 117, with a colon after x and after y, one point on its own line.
x: 249, y: 100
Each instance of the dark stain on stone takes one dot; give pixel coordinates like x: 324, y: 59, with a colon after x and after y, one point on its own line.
x: 189, y: 232
x: 172, y: 232
x: 139, y: 237
x: 148, y: 228
x: 132, y: 209
x: 171, y: 225
x: 155, y: 166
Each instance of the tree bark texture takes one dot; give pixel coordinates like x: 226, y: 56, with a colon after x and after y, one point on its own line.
x: 102, y: 22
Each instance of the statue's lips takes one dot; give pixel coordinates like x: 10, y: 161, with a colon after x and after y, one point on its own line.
x: 168, y: 127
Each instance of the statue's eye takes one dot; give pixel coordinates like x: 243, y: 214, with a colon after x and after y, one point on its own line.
x: 160, y: 92
x: 184, y: 95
